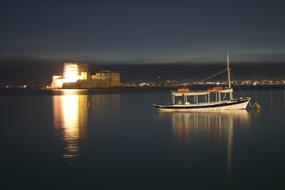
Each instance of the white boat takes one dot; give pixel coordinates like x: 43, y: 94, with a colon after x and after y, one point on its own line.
x: 215, y: 99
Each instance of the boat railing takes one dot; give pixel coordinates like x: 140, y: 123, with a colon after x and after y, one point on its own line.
x: 201, y: 103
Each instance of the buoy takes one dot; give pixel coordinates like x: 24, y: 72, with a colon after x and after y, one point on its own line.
x: 256, y: 106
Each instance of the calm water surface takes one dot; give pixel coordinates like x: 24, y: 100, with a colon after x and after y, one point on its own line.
x: 114, y: 140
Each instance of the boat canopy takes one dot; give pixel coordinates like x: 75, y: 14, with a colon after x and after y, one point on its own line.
x: 201, y: 93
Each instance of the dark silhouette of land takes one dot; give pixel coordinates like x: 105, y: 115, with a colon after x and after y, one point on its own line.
x: 21, y: 70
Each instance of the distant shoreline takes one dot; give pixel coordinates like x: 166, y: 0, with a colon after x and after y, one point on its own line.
x: 194, y: 87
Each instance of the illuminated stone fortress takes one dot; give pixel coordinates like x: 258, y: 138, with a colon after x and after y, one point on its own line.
x: 77, y: 75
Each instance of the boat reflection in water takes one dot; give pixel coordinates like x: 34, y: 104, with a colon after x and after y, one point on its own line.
x: 213, y: 125
x: 215, y: 128
x: 70, y: 119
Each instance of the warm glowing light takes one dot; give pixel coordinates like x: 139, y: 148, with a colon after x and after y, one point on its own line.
x: 70, y: 112
x: 57, y: 81
x: 70, y: 72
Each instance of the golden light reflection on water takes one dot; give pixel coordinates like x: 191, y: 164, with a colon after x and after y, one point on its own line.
x: 216, y: 128
x: 70, y: 118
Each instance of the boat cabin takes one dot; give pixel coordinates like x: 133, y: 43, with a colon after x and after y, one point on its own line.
x: 217, y: 94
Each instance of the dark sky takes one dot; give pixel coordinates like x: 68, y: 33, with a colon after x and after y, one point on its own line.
x: 144, y: 31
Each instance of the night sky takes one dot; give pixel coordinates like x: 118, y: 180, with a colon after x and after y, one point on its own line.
x: 141, y: 31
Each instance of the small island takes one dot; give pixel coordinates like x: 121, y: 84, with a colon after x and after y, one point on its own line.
x: 77, y: 76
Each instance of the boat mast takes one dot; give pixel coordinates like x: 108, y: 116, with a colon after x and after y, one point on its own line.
x: 229, y: 74
x: 228, y: 69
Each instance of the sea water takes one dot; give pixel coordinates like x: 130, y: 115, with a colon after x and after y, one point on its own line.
x: 115, y: 140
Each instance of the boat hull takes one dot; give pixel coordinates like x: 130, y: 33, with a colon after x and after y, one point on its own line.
x: 230, y: 105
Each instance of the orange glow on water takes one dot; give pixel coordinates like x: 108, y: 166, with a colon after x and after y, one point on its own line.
x: 70, y: 113
x: 70, y: 118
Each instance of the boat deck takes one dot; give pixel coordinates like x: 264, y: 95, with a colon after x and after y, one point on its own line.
x: 234, y: 104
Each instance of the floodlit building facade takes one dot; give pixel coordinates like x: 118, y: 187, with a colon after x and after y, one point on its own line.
x: 110, y: 78
x: 77, y: 75
x: 73, y: 72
